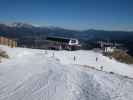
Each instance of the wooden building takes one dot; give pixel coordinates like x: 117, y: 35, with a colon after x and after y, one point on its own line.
x: 61, y: 43
x: 8, y: 42
x: 50, y: 43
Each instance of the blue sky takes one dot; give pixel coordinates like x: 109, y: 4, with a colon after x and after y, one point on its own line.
x: 70, y: 14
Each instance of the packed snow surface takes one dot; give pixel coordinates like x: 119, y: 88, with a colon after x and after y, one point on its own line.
x: 63, y: 75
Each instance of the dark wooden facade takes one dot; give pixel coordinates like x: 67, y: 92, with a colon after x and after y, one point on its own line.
x: 60, y: 43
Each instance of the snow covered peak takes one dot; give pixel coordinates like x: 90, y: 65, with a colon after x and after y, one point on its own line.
x: 19, y: 25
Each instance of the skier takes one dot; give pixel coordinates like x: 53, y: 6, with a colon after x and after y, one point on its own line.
x: 74, y: 58
x: 46, y: 52
x: 53, y: 54
x: 101, y: 68
x: 96, y: 59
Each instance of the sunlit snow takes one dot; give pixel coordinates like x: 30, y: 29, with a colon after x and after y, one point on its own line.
x: 55, y: 75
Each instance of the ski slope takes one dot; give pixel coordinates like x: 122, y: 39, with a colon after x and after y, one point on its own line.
x: 39, y: 75
x: 88, y: 58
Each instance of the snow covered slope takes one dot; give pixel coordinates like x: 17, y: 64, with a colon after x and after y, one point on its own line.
x: 36, y: 75
x: 89, y: 58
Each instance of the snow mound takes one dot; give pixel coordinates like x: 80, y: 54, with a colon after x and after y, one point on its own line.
x: 32, y: 75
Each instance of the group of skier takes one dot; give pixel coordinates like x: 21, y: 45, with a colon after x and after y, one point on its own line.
x: 74, y: 58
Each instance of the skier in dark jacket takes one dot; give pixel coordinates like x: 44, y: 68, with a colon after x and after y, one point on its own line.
x: 96, y: 59
x: 74, y: 58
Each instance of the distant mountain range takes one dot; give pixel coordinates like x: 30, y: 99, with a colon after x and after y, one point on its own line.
x: 19, y: 30
x: 24, y: 33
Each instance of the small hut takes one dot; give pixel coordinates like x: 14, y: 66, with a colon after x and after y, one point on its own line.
x: 9, y: 42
